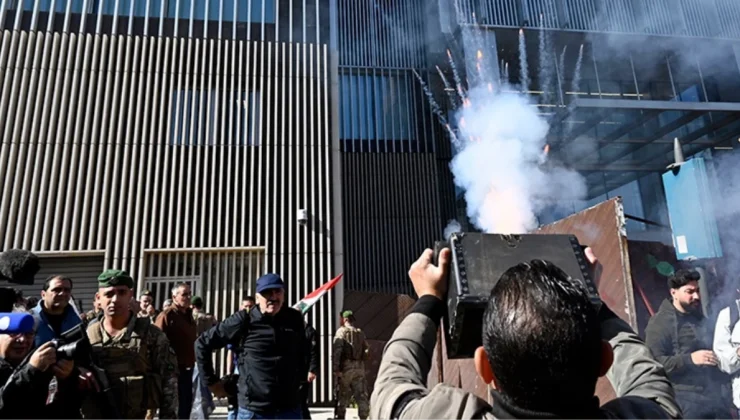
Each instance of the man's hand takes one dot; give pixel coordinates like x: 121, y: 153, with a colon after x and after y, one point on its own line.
x: 63, y: 368
x: 311, y: 377
x: 704, y: 358
x: 429, y: 279
x: 218, y: 390
x: 44, y: 356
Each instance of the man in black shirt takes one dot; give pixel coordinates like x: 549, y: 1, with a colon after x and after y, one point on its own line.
x: 312, y: 363
x: 272, y: 344
x: 25, y: 390
x: 680, y: 338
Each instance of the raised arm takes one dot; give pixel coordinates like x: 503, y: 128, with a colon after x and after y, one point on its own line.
x: 227, y: 332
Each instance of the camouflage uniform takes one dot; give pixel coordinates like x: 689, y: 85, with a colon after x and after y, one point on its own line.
x: 203, y: 322
x: 350, y: 352
x: 141, y: 369
x: 92, y: 315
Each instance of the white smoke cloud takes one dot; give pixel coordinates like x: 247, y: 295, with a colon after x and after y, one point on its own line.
x: 453, y: 226
x: 499, y: 164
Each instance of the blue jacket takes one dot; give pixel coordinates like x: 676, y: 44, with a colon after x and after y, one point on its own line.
x: 44, y: 332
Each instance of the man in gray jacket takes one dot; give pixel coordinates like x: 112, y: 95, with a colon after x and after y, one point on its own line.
x: 542, y: 354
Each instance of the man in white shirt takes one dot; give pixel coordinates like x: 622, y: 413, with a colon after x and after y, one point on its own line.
x: 727, y: 345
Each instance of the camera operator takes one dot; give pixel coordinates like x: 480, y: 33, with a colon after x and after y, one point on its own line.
x: 25, y: 390
x: 542, y: 353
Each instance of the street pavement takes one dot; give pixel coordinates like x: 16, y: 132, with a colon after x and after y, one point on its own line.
x: 319, y: 413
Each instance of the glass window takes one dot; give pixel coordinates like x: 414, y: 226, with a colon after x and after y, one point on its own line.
x: 376, y: 107
x: 186, y: 126
x: 252, y: 10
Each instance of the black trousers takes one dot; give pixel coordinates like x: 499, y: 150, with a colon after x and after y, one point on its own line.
x: 700, y: 406
x: 305, y: 393
x: 185, y: 393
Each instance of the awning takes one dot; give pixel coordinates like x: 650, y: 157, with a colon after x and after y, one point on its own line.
x: 615, y: 141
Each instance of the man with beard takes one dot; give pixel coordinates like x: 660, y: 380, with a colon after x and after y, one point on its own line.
x: 680, y: 338
x: 272, y: 344
x: 53, y: 313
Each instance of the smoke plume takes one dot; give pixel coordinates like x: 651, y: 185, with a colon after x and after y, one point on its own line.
x: 453, y: 226
x: 501, y: 169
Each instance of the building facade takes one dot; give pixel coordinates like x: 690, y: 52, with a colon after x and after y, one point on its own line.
x: 180, y: 139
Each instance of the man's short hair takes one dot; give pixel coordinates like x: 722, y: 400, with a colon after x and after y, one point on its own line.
x: 249, y: 298
x: 543, y: 338
x: 48, y: 280
x: 683, y: 277
x: 177, y: 287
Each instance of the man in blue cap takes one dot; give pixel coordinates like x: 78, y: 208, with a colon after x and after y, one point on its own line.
x: 272, y: 343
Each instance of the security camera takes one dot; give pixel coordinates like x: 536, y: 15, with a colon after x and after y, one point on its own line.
x: 302, y: 217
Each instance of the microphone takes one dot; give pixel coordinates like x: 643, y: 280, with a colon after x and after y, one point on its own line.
x: 19, y: 266
x: 16, y: 323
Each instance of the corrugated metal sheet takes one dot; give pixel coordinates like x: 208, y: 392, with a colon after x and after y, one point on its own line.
x: 601, y: 227
x: 83, y: 271
x: 391, y: 213
x: 381, y: 33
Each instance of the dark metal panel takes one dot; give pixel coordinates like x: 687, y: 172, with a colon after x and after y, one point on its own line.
x: 656, y: 105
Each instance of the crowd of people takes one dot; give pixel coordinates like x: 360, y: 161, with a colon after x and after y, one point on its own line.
x: 545, y: 344
x: 145, y: 362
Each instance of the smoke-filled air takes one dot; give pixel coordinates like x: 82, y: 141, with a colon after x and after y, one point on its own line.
x: 499, y: 137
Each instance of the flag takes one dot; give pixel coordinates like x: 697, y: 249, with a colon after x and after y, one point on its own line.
x: 305, y: 304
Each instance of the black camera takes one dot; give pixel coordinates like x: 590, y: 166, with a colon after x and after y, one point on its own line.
x: 73, y: 344
x: 479, y: 260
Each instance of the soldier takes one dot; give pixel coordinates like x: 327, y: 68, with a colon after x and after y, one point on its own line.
x: 350, y: 353
x: 95, y: 313
x: 136, y: 356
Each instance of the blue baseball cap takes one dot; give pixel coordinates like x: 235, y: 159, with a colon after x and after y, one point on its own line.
x: 269, y: 281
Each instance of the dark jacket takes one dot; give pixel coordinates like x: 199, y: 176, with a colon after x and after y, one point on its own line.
x: 271, y: 357
x: 24, y: 391
x: 312, y: 356
x: 673, y: 349
x: 642, y: 389
x: 45, y: 332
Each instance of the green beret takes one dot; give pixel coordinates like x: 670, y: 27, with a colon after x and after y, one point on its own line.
x: 115, y: 278
x: 347, y: 314
x: 196, y: 300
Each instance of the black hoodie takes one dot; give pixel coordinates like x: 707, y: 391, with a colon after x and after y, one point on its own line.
x: 672, y: 336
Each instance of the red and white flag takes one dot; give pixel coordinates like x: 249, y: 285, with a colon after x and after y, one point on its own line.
x: 305, y: 304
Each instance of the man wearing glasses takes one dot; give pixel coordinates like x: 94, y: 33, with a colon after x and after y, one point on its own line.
x: 53, y: 314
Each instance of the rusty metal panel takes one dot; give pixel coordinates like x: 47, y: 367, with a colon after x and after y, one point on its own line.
x: 601, y: 227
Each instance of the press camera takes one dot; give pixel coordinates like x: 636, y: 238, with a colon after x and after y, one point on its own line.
x: 479, y: 260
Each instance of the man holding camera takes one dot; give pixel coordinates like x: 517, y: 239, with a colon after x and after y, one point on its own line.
x: 25, y: 390
x: 140, y: 366
x: 544, y: 347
